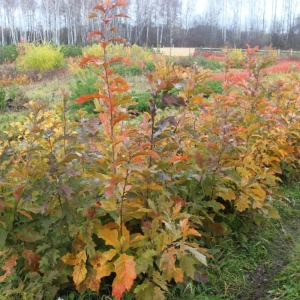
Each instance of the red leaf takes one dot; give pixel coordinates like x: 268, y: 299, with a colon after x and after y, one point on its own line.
x: 119, y: 39
x: 121, y: 3
x: 92, y: 34
x: 107, y: 20
x: 31, y: 260
x: 88, y: 97
x: 93, y: 60
x: 18, y: 192
x: 99, y: 7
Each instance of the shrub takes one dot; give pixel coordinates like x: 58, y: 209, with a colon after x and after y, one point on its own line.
x: 128, y: 70
x: 85, y: 83
x: 201, y: 62
x: 40, y: 57
x: 215, y: 85
x: 236, y: 56
x: 8, y: 53
x: 142, y: 100
x: 71, y: 50
x: 94, y: 49
x: 208, y: 64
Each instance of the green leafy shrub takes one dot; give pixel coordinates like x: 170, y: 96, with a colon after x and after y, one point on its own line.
x: 71, y: 50
x: 8, y: 53
x: 2, y: 98
x: 42, y: 57
x: 200, y: 61
x: 128, y: 70
x: 208, y: 63
x: 85, y: 83
x: 215, y: 85
x: 142, y: 100
x: 150, y: 66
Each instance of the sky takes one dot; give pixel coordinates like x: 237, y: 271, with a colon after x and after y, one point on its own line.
x: 202, y: 4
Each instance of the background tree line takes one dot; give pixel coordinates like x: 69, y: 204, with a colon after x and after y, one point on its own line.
x: 160, y: 23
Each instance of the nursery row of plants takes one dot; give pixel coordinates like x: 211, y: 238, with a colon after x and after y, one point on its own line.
x: 126, y: 206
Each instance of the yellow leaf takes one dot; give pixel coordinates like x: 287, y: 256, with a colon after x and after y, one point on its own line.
x: 79, y: 273
x: 110, y: 236
x: 80, y: 257
x: 178, y: 275
x: 69, y: 259
x: 104, y: 270
x: 226, y: 194
x: 242, y: 203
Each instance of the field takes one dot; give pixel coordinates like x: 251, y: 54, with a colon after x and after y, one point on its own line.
x: 129, y: 175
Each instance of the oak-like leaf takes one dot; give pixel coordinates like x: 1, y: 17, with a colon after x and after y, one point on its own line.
x: 125, y: 275
x: 8, y: 266
x: 79, y: 273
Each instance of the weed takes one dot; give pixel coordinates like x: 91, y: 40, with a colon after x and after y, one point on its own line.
x: 8, y: 53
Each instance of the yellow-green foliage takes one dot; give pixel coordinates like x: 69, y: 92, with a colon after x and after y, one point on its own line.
x: 135, y: 53
x: 94, y: 49
x: 40, y: 57
x: 236, y: 55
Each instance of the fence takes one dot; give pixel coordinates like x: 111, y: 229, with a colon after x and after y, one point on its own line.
x: 173, y: 51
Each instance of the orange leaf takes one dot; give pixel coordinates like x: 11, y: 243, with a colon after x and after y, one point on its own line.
x: 25, y: 214
x: 126, y: 274
x: 178, y: 275
x: 167, y: 264
x: 8, y: 265
x: 85, y: 98
x: 92, y: 15
x: 121, y: 3
x: 179, y: 158
x: 91, y: 34
x: 92, y: 283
